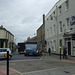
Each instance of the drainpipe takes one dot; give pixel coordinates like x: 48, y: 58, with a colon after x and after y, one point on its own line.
x: 41, y: 38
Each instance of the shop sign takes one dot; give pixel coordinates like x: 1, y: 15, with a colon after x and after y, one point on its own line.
x: 72, y: 20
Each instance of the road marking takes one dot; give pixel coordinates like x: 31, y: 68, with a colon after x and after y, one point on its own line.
x: 40, y: 70
x: 25, y: 60
x: 45, y: 70
x: 21, y: 60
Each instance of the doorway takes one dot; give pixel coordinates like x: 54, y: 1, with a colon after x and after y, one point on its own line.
x: 69, y: 48
x: 2, y: 44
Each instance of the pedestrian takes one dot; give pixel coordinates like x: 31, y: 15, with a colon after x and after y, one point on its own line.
x: 49, y: 51
x: 65, y: 53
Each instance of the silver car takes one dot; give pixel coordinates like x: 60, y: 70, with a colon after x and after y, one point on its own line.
x: 3, y: 53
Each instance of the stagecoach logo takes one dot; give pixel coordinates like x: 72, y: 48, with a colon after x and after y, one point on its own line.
x: 72, y: 20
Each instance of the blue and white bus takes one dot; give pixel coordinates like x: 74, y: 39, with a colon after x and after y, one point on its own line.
x: 31, y: 48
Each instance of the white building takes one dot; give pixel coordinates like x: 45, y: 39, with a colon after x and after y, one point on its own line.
x: 60, y: 27
x: 6, y: 39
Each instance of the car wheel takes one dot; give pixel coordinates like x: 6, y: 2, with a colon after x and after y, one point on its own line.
x: 25, y: 55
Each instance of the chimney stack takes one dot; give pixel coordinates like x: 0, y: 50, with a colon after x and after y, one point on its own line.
x: 1, y: 26
x: 43, y: 18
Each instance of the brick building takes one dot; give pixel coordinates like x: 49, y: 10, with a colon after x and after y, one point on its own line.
x: 41, y: 35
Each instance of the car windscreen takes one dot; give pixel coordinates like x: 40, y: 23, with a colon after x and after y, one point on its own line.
x: 3, y: 50
x: 31, y: 46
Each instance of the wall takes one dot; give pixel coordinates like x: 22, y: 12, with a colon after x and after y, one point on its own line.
x: 53, y: 36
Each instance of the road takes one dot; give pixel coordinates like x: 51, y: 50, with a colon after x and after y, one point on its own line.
x: 21, y: 57
x: 45, y: 65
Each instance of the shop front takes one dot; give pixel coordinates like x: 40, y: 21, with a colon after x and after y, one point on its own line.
x: 3, y: 43
x: 69, y: 42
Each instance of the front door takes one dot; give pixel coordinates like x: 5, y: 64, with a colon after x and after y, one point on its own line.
x: 69, y: 48
x: 2, y: 44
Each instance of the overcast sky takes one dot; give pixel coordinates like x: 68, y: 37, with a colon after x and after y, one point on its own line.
x: 23, y: 17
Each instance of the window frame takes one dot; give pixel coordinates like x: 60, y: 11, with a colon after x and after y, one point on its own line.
x: 60, y: 29
x: 59, y: 10
x: 68, y: 23
x: 66, y: 5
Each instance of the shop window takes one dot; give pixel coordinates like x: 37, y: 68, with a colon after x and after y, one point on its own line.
x: 60, y: 43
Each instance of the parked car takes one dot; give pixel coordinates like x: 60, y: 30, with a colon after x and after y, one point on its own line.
x: 3, y: 53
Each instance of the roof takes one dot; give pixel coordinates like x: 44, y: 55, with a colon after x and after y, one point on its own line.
x: 1, y: 27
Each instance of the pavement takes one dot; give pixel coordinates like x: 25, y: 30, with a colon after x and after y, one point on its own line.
x: 70, y: 59
x: 3, y: 70
x: 54, y: 70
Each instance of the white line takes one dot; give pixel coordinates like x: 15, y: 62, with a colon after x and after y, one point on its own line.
x: 45, y: 70
x: 24, y: 60
x: 21, y: 60
x: 41, y: 70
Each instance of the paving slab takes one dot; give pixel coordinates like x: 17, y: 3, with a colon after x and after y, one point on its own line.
x: 3, y: 71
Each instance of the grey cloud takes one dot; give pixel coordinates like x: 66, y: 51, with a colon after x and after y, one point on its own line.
x: 18, y: 16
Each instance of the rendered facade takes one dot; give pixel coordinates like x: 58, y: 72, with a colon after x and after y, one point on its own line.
x: 60, y: 27
x: 6, y: 39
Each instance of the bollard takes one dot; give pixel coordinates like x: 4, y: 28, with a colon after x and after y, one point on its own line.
x: 7, y: 62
